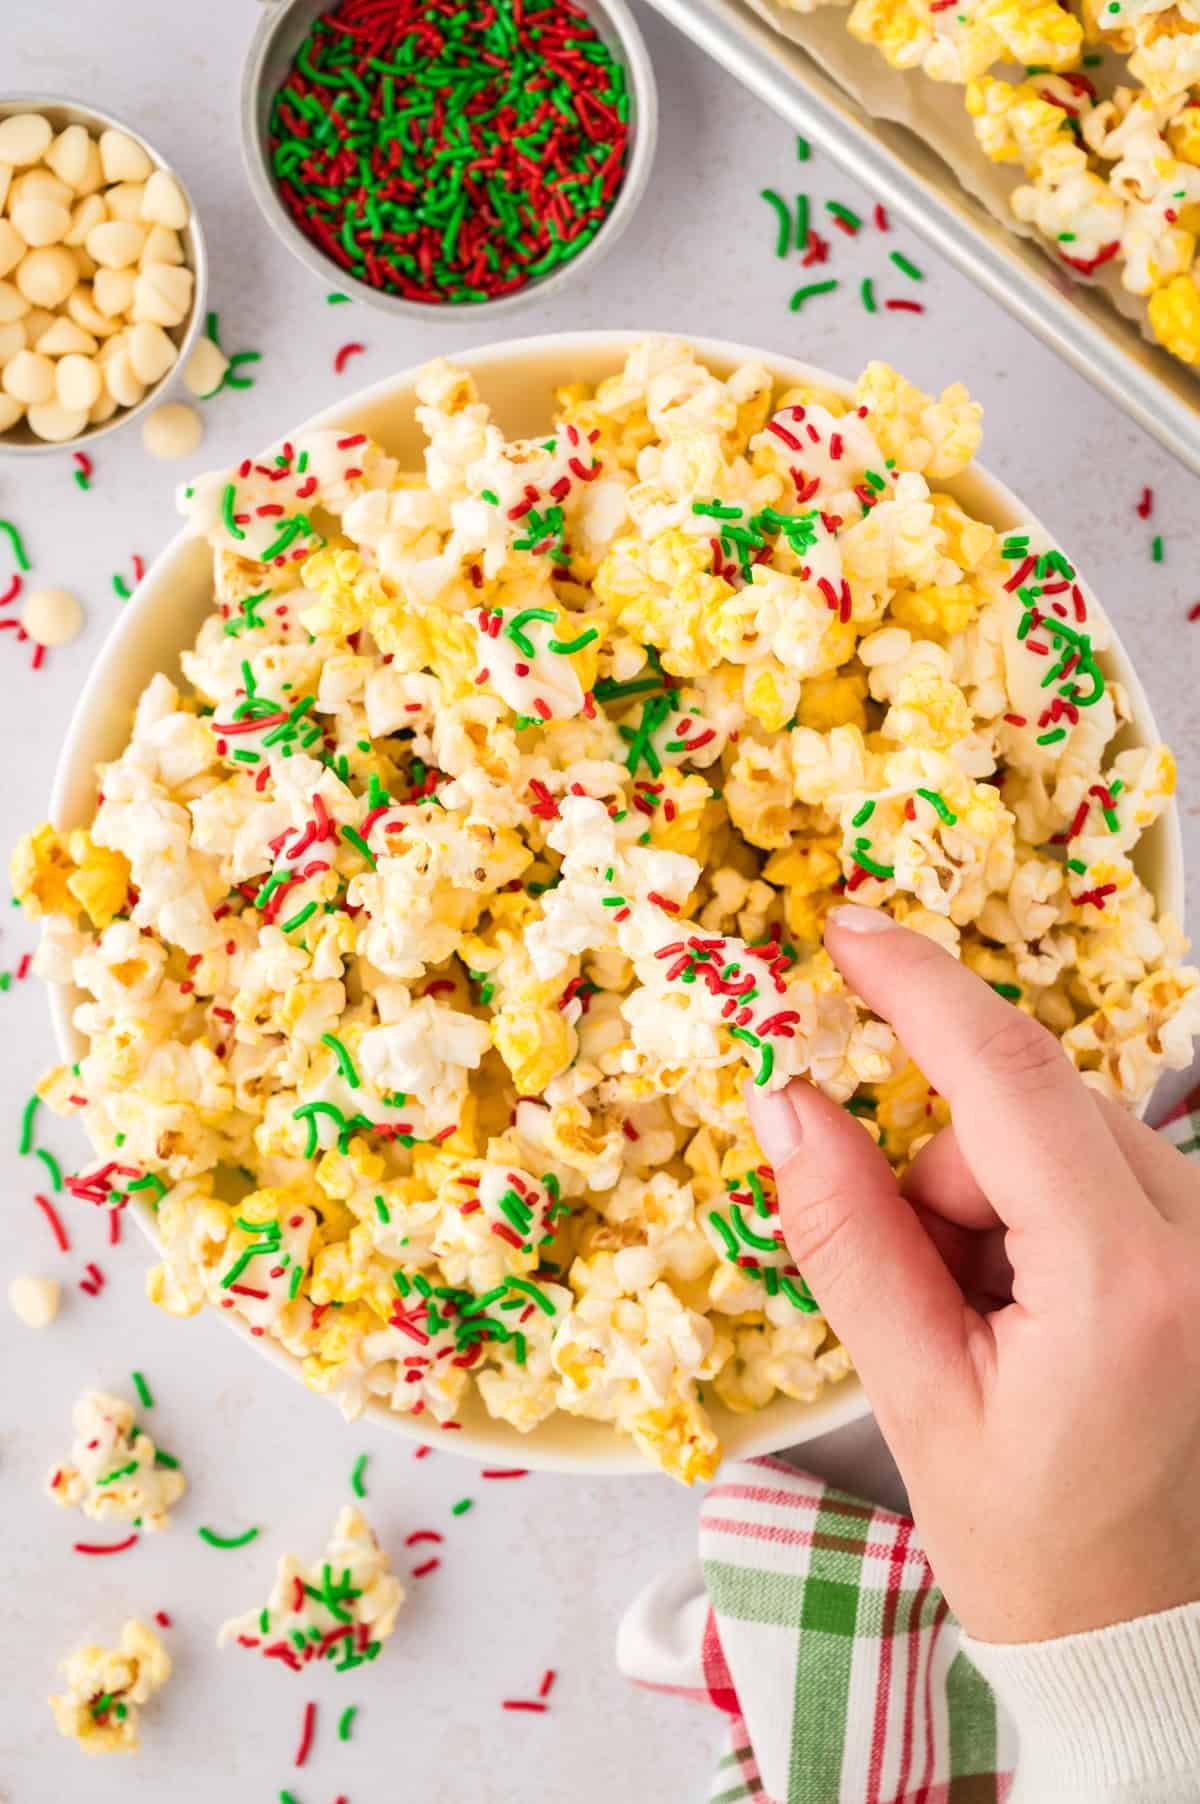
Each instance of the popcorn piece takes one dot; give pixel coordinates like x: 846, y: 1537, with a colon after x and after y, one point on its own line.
x: 105, y: 1688
x: 115, y: 1472
x: 341, y: 1609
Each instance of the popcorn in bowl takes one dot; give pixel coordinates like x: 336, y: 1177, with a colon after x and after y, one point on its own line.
x: 429, y: 932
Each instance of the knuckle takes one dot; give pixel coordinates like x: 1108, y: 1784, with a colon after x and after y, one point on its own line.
x: 1022, y: 1054
x: 819, y: 1231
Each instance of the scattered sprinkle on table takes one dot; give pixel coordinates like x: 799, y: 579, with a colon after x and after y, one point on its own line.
x: 12, y: 591
x: 807, y: 294
x: 93, y: 1283
x: 868, y: 295
x: 450, y: 154
x: 356, y: 1476
x: 25, y: 1143
x: 52, y: 1167
x: 215, y: 1540
x: 337, y: 300
x: 524, y: 1704
x: 906, y: 267
x: 343, y: 356
x: 783, y: 218
x: 802, y: 150
x: 143, y: 1390
x: 83, y: 475
x: 94, y: 1547
x: 1194, y: 611
x: 346, y: 1721
x: 14, y: 538
x: 548, y: 1678
x: 221, y: 371
x: 881, y: 217
x: 904, y: 306
x: 423, y: 1534
x: 1156, y: 548
x: 1145, y: 506
x: 462, y: 1506
x: 306, y: 1733
x: 844, y: 218
x: 423, y: 1570
x: 162, y: 1619
x: 52, y: 1216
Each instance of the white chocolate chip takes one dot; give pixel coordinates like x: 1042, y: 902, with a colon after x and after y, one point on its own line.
x: 151, y: 352
x: 65, y: 337
x: 121, y: 380
x: 24, y: 139
x: 47, y: 276
x: 12, y: 246
x: 10, y: 412
x: 5, y: 181
x: 12, y: 340
x: 125, y: 201
x: 89, y: 212
x: 37, y: 323
x: 38, y: 184
x: 13, y: 304
x: 85, y: 266
x: 172, y: 431
x: 41, y: 221
x: 103, y: 410
x: 82, y: 308
x: 51, y: 616
x: 112, y: 291
x: 28, y: 377
x: 34, y: 1300
x: 56, y: 423
x: 205, y: 368
x: 162, y: 294
x: 116, y: 243
x: 162, y: 246
x: 123, y: 158
x: 164, y: 202
x: 77, y: 382
x: 75, y: 159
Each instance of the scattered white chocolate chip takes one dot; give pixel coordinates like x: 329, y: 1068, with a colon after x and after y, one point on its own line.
x: 51, y: 616
x: 205, y: 369
x: 34, y: 1300
x: 24, y: 139
x: 172, y: 431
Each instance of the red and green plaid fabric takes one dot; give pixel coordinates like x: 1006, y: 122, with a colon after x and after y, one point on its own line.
x: 814, y: 1624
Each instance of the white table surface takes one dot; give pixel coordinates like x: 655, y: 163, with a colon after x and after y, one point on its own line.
x: 536, y: 1574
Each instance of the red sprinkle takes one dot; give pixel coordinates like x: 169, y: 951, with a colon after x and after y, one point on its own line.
x: 344, y: 355
x: 548, y: 1678
x: 429, y: 1566
x: 306, y: 1734
x: 51, y: 1214
x: 12, y: 591
x: 881, y: 218
x: 1145, y: 506
x: 162, y: 1619
x: 904, y: 306
x: 103, y: 1547
x: 523, y: 1704
x: 423, y: 1534
x: 500, y: 1472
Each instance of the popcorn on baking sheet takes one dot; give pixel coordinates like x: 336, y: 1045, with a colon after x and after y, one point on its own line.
x: 430, y: 926
x: 106, y: 1687
x: 341, y: 1609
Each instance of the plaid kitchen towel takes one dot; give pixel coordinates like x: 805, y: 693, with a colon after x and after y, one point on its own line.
x: 813, y: 1622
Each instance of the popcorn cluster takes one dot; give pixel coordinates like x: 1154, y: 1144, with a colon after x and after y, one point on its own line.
x: 93, y: 276
x: 428, y: 935
x: 1113, y: 171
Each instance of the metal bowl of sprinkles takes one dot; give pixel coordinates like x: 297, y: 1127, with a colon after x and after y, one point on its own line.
x: 429, y: 155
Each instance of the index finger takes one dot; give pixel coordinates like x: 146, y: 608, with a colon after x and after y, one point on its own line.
x: 1031, y: 1132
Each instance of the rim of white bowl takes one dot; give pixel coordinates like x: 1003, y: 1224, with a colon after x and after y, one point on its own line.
x: 195, y: 252
x: 784, y: 1422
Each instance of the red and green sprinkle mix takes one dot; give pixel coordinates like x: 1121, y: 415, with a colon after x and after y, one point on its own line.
x: 450, y: 150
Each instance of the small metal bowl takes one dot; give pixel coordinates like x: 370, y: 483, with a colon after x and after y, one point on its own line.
x: 282, y: 29
x: 62, y: 111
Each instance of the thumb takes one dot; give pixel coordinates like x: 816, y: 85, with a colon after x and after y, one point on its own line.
x: 876, y: 1274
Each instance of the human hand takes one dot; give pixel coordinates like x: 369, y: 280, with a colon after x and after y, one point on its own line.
x: 1023, y: 1306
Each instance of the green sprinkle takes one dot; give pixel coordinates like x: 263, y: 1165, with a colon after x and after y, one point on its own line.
x: 25, y: 1144
x: 215, y: 1540
x: 299, y: 918
x: 802, y: 150
x: 382, y: 1211
x: 356, y: 1476
x: 863, y: 816
x: 143, y: 1390
x: 228, y: 500
x: 867, y: 292
x: 783, y: 217
x: 1011, y: 992
x: 806, y: 294
x: 346, y: 1719
x: 906, y: 268
x: 531, y: 1290
x: 52, y: 1166
x: 354, y: 838
x: 345, y: 1062
x: 939, y: 806
x: 462, y: 1506
x: 14, y: 538
x: 166, y: 1459
x: 1156, y: 548
x: 844, y: 214
x: 336, y: 300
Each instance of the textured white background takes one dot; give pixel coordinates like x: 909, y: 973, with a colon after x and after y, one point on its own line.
x: 538, y: 1571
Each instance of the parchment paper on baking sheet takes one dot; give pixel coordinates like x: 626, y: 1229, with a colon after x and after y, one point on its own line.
x: 933, y: 111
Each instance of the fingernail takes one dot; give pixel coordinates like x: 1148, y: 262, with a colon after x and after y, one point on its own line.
x: 860, y: 920
x: 776, y: 1124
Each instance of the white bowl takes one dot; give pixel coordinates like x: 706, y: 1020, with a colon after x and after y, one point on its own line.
x: 518, y: 379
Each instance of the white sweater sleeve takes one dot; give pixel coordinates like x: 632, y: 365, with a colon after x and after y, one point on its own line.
x: 1110, y: 1717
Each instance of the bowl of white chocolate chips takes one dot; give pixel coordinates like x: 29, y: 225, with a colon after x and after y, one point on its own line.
x: 102, y: 273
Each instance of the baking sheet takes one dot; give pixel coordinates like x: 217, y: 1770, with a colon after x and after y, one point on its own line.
x: 847, y: 99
